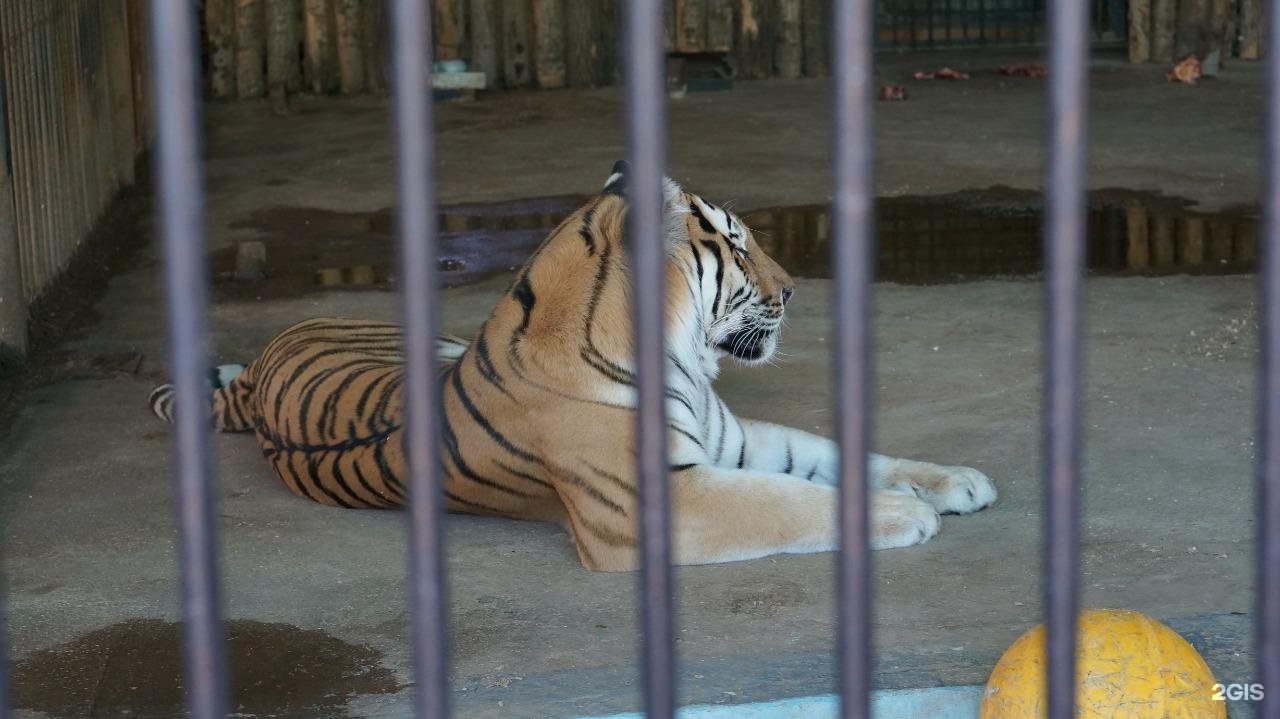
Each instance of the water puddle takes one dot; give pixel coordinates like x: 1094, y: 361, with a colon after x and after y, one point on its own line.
x: 310, y: 249
x: 921, y: 240
x: 134, y: 669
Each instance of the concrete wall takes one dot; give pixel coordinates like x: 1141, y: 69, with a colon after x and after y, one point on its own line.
x: 71, y: 128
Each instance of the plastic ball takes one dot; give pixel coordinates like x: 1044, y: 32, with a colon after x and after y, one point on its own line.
x: 1127, y: 665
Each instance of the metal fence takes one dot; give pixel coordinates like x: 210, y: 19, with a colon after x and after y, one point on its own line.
x: 180, y: 192
x: 983, y: 23
x: 69, y: 135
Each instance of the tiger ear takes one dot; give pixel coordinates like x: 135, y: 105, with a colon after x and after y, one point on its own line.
x: 675, y: 207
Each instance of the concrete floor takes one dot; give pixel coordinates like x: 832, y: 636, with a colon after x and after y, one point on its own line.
x: 88, y: 534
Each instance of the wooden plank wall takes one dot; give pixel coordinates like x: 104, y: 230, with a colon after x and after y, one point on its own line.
x: 255, y: 47
x: 1167, y: 30
x: 75, y: 119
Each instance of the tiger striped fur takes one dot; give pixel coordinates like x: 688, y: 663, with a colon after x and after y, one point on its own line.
x: 538, y: 408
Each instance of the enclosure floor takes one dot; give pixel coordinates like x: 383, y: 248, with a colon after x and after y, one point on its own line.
x: 88, y: 533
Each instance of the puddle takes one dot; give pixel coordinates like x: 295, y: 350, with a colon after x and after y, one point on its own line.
x: 922, y: 240
x: 312, y: 249
x: 997, y: 233
x: 134, y: 669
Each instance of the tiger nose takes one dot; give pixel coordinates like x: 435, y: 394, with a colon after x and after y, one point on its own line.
x: 786, y: 293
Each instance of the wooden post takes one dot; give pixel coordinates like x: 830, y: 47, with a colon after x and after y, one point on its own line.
x: 1162, y: 239
x: 350, y: 51
x: 1246, y: 244
x: 220, y: 28
x: 1250, y: 29
x: 448, y: 29
x: 1139, y: 30
x: 691, y: 25
x: 283, y: 70
x: 610, y: 70
x: 13, y: 305
x: 1193, y: 27
x: 1221, y: 238
x: 582, y: 43
x: 1139, y: 252
x: 548, y: 42
x: 374, y: 42
x: 720, y: 25
x: 817, y: 26
x: 517, y: 43
x: 320, y: 54
x: 755, y: 46
x: 486, y: 36
x: 1192, y: 249
x: 790, y: 50
x: 669, y: 25
x: 1164, y: 21
x: 250, y: 45
x: 1219, y: 13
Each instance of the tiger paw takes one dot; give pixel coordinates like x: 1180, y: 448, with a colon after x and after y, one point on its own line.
x: 950, y: 490
x: 900, y: 520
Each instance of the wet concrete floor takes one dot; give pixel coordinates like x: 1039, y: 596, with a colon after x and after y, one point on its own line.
x: 968, y: 235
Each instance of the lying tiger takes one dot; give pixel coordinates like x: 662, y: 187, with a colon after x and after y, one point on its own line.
x: 538, y: 408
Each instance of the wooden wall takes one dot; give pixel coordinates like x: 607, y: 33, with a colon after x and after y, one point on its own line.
x: 73, y: 120
x: 1168, y: 30
x: 263, y: 47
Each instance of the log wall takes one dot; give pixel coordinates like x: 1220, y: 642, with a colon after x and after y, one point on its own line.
x: 1164, y: 31
x: 73, y: 121
x: 254, y: 48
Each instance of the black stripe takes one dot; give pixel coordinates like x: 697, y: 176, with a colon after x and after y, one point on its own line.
x: 592, y: 492
x: 487, y: 426
x: 790, y: 460
x: 523, y: 293
x: 715, y: 250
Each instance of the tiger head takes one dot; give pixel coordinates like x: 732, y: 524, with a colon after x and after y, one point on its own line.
x: 724, y: 293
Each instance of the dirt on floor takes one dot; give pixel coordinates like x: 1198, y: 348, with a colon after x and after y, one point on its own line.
x: 88, y: 538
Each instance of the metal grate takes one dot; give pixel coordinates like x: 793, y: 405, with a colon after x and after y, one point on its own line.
x: 179, y: 180
x: 915, y: 24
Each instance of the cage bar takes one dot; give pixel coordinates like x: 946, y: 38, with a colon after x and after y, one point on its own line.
x: 180, y: 187
x: 1268, y: 596
x: 1065, y: 255
x: 853, y: 239
x: 416, y: 218
x: 646, y: 149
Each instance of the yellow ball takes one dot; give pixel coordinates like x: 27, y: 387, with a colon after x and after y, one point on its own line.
x: 1127, y: 665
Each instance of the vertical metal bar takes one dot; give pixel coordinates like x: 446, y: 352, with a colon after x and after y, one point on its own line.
x: 1268, y: 630
x: 853, y: 226
x: 1064, y: 238
x: 413, y: 125
x: 14, y: 295
x: 646, y: 147
x: 179, y: 184
x: 646, y: 135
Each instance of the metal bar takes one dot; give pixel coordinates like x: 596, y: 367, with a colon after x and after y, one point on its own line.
x: 416, y: 216
x: 15, y: 320
x: 853, y: 227
x: 646, y: 148
x: 1268, y: 629
x: 1064, y: 251
x: 179, y: 185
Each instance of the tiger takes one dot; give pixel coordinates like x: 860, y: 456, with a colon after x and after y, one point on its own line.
x: 538, y: 412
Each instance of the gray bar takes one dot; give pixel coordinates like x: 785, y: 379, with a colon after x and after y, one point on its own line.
x: 1268, y: 599
x: 1064, y: 252
x: 179, y: 187
x: 416, y: 216
x: 14, y: 295
x: 852, y: 260
x: 646, y: 147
